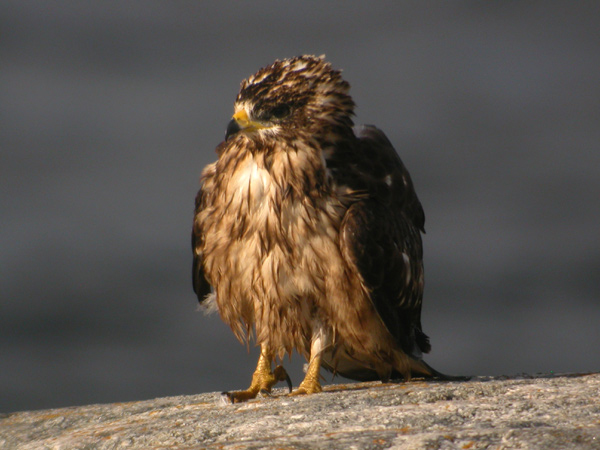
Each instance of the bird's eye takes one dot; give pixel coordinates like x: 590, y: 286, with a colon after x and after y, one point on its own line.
x: 280, y: 111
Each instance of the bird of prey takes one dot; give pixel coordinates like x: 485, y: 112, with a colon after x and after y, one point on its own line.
x: 307, y: 234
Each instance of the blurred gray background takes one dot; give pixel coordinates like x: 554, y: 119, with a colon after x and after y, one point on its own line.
x: 109, y: 111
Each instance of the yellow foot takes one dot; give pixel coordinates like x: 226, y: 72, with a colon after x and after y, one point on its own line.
x: 262, y: 383
x: 238, y: 396
x: 311, y: 384
x: 308, y: 387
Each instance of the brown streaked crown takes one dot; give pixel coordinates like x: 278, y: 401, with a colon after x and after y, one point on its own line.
x: 304, y: 91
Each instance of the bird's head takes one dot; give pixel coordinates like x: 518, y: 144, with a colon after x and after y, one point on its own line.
x: 301, y: 93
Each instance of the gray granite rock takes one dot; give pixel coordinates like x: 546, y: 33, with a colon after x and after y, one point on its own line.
x: 527, y: 412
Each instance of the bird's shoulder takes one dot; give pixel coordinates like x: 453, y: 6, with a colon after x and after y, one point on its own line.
x: 369, y: 167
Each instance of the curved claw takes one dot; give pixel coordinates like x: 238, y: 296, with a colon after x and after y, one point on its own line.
x: 238, y: 396
x: 281, y: 374
x: 226, y: 395
x: 265, y: 393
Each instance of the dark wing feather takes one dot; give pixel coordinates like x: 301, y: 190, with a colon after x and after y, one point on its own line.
x: 201, y: 286
x: 381, y: 237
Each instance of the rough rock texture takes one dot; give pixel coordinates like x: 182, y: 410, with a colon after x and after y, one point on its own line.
x: 526, y: 412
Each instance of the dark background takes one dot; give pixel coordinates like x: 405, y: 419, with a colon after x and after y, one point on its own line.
x: 109, y: 111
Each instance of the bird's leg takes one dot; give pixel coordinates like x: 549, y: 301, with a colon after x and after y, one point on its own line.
x: 263, y: 379
x: 311, y: 383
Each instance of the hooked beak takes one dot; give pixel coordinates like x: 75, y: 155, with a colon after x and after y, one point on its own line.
x: 241, y: 122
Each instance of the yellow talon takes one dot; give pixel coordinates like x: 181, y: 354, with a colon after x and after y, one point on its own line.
x: 263, y: 380
x: 311, y: 384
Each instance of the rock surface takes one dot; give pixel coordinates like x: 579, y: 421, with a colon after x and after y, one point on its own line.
x: 525, y: 412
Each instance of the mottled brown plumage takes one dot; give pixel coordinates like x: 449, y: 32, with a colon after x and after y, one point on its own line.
x: 310, y: 234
